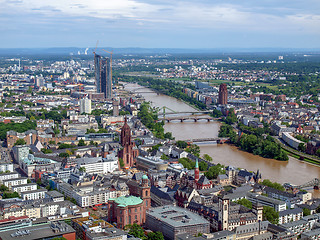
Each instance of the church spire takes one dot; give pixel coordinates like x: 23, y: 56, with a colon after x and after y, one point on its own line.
x: 196, y: 171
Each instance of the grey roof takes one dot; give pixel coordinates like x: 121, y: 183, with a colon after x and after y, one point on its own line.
x: 276, y: 191
x: 290, y: 211
x: 39, y: 231
x: 176, y: 216
x: 204, y: 180
x: 161, y: 194
x: 35, y: 191
x: 294, y: 224
x: 54, y: 194
x: 252, y: 227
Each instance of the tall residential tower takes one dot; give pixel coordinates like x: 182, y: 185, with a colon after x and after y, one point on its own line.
x: 102, y: 66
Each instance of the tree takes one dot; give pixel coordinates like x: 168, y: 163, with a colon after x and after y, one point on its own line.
x: 245, y: 202
x: 63, y: 155
x: 275, y: 185
x: 164, y: 157
x: 10, y: 195
x: 136, y: 230
x: 168, y: 135
x: 20, y: 141
x: 28, y: 180
x: 193, y: 149
x: 306, y: 211
x: 181, y: 144
x: 203, y: 166
x: 82, y: 169
x: 302, y: 147
x: 207, y: 157
x: 3, y: 188
x: 155, y: 236
x: 121, y: 163
x: 81, y: 143
x: 59, y: 238
x: 270, y: 215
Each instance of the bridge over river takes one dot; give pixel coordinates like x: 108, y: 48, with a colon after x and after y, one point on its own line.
x: 218, y: 140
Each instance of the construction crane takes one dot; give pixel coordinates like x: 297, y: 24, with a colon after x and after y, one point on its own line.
x: 110, y: 60
x: 94, y: 52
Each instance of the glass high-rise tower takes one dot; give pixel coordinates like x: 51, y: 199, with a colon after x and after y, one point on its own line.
x: 103, y: 75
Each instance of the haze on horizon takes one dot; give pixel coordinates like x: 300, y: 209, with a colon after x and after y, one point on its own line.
x: 160, y: 23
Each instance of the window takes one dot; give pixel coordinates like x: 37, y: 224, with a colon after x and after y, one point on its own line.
x: 135, y: 217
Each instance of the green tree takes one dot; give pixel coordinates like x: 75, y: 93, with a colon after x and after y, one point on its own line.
x: 207, y: 157
x: 10, y: 195
x: 164, y: 157
x: 28, y: 180
x: 59, y: 238
x: 275, y: 185
x: 136, y: 230
x: 82, y: 169
x: 181, y: 144
x: 245, y: 202
x: 20, y: 141
x: 63, y: 155
x: 3, y: 188
x: 302, y: 147
x: 306, y: 211
x: 81, y: 143
x: 203, y: 166
x: 155, y: 236
x: 270, y: 215
x: 193, y: 149
x: 121, y: 162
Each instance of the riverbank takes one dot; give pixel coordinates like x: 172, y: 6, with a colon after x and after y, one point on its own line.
x: 276, y: 171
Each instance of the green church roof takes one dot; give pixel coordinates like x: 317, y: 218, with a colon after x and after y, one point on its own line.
x: 144, y: 177
x: 128, y: 201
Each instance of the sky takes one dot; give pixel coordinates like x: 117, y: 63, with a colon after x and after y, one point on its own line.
x: 160, y: 23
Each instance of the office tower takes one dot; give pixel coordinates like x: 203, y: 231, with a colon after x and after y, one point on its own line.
x: 223, y: 94
x: 103, y: 76
x: 85, y: 106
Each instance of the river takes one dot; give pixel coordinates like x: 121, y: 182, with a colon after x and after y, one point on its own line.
x: 293, y: 171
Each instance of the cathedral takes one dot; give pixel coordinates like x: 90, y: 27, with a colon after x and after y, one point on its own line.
x: 127, y: 153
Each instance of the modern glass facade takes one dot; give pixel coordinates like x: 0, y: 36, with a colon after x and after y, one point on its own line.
x: 103, y: 75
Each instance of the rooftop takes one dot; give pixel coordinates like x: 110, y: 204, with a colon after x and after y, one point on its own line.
x: 39, y: 231
x: 176, y: 216
x: 128, y: 201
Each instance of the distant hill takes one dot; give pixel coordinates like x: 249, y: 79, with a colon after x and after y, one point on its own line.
x: 138, y: 51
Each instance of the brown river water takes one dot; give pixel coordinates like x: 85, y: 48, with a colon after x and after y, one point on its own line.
x: 293, y: 171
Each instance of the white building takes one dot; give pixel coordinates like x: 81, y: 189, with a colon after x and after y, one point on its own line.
x: 85, y: 105
x: 6, y: 176
x: 14, y: 182
x: 24, y: 187
x: 33, y: 195
x: 6, y: 167
x: 98, y: 164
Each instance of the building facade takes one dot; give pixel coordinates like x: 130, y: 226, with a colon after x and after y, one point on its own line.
x: 223, y: 94
x: 126, y: 210
x: 103, y: 75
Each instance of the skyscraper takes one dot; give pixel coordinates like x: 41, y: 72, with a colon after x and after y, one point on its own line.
x: 103, y: 76
x: 223, y: 94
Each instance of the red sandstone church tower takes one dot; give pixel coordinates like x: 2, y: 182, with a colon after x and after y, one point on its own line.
x: 223, y: 94
x: 127, y: 152
x: 196, y: 172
